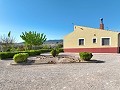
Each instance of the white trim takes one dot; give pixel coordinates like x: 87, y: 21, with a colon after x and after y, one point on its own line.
x: 96, y: 40
x: 101, y: 41
x: 84, y: 41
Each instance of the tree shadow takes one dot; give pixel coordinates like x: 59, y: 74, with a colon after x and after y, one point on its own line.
x: 93, y: 61
x: 7, y: 59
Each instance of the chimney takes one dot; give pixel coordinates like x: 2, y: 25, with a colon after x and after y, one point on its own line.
x: 101, y: 24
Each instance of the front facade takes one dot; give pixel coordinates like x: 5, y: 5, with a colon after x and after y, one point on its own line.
x: 85, y: 39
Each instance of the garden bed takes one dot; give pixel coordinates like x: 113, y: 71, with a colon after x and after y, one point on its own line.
x: 49, y: 59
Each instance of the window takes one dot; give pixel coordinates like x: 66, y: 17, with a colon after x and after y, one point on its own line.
x: 105, y: 41
x: 81, y: 41
x: 94, y: 40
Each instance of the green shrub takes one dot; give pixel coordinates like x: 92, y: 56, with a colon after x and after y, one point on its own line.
x: 5, y: 55
x: 60, y: 45
x: 61, y: 50
x: 85, y: 55
x: 55, y: 52
x: 32, y: 52
x: 21, y: 57
x: 45, y: 50
x: 37, y: 52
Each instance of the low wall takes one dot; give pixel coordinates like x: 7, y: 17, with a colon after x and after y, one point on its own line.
x: 93, y: 50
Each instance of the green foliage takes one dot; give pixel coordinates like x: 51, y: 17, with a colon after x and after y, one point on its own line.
x: 46, y: 47
x: 45, y: 50
x: 55, y: 52
x: 33, y: 38
x: 13, y: 49
x: 9, y: 33
x: 85, y: 55
x: 61, y: 50
x: 36, y: 52
x: 21, y: 57
x: 32, y: 52
x: 21, y: 48
x: 5, y: 55
x: 60, y: 46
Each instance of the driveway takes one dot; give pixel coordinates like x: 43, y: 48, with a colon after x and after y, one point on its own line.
x: 73, y: 76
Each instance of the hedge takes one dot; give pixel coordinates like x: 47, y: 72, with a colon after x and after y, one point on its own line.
x: 45, y: 50
x: 36, y: 52
x: 32, y: 52
x: 5, y: 55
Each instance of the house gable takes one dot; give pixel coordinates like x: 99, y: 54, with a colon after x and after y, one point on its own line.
x: 72, y: 40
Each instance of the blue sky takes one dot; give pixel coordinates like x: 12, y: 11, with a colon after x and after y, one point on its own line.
x: 55, y: 17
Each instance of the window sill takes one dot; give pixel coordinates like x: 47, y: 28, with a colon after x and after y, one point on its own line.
x: 81, y: 45
x: 105, y: 45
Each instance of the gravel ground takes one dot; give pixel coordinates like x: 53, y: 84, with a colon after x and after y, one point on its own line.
x: 73, y: 76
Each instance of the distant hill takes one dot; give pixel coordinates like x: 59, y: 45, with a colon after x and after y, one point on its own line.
x: 53, y: 41
x: 47, y: 42
x: 19, y: 44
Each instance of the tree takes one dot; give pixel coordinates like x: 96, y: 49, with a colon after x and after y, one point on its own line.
x: 7, y: 41
x: 33, y: 39
x: 60, y: 45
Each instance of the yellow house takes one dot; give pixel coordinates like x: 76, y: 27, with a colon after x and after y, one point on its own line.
x: 85, y: 39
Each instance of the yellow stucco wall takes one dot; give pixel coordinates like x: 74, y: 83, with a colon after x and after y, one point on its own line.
x: 72, y: 40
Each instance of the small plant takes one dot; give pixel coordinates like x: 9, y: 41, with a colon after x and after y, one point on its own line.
x: 55, y: 52
x: 21, y: 57
x: 86, y: 56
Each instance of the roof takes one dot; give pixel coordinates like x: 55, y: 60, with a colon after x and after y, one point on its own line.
x: 79, y: 29
x: 84, y: 27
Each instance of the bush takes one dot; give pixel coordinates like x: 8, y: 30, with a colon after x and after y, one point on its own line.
x: 60, y: 45
x: 55, y: 52
x: 21, y: 57
x: 37, y: 52
x: 5, y: 55
x: 45, y: 50
x: 61, y: 50
x: 32, y: 52
x: 85, y: 56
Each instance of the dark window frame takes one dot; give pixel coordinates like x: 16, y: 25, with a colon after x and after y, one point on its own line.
x: 104, y: 41
x: 82, y: 42
x: 93, y: 40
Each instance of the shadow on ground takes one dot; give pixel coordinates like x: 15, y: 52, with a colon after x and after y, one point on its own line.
x: 93, y: 61
x: 7, y: 59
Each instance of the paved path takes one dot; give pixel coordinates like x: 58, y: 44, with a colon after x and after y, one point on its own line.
x: 74, y: 76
